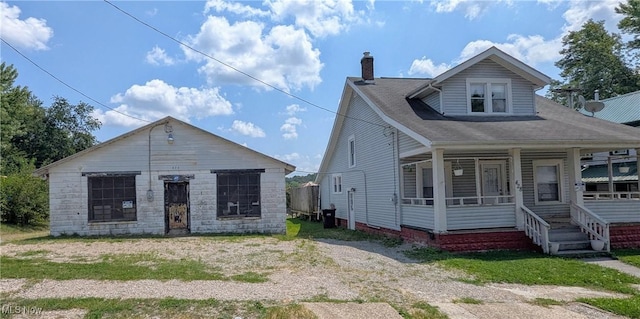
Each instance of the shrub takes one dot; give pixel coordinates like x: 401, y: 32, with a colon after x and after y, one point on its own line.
x: 24, y: 199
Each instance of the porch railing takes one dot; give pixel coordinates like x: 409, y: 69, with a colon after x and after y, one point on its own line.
x: 610, y: 195
x: 536, y: 228
x: 464, y: 201
x: 592, y: 224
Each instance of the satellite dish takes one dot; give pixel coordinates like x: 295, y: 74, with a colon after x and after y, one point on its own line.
x: 581, y: 101
x: 593, y: 106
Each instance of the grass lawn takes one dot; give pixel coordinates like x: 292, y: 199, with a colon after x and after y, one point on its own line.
x: 629, y: 256
x: 162, y: 308
x: 10, y: 233
x: 536, y: 269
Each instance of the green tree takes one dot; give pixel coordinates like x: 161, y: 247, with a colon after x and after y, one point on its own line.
x: 630, y: 24
x: 593, y: 59
x: 19, y: 109
x: 31, y: 136
x: 24, y: 199
x: 65, y: 129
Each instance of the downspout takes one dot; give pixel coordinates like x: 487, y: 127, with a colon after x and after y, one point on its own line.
x: 150, y: 190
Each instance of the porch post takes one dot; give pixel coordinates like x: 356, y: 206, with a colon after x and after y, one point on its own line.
x: 638, y: 167
x: 516, y: 185
x: 439, y: 191
x: 576, y: 189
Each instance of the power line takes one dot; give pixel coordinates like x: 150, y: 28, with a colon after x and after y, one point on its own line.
x: 232, y: 67
x: 68, y: 85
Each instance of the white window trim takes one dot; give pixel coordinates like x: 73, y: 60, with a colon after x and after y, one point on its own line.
x: 550, y: 162
x: 487, y: 98
x: 335, y: 178
x: 352, y: 139
x: 448, y: 178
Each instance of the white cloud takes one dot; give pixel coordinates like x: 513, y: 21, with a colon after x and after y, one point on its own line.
x: 233, y: 7
x: 472, y: 8
x: 293, y: 109
x: 283, y: 56
x: 535, y: 49
x: 247, y: 128
x: 320, y: 17
x: 288, y: 157
x: 580, y: 11
x: 290, y: 127
x: 427, y: 67
x: 30, y: 33
x: 304, y: 164
x: 158, y: 56
x: 156, y: 99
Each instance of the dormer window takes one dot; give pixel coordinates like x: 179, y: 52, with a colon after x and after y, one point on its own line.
x: 489, y: 96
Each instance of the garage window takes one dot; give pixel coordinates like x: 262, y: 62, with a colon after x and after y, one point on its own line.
x: 238, y: 193
x: 112, y: 197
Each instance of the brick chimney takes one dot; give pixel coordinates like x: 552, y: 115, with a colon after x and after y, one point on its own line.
x: 367, y: 67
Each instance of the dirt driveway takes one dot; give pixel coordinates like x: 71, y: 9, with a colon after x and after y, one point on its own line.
x: 298, y: 270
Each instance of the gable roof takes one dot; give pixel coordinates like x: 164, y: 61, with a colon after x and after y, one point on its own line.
x: 496, y: 55
x: 553, y: 124
x: 623, y: 109
x: 44, y: 170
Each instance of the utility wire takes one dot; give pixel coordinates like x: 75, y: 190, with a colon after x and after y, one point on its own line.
x: 234, y: 68
x: 68, y: 85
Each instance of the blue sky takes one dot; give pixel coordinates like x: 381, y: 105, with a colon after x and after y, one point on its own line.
x: 303, y: 48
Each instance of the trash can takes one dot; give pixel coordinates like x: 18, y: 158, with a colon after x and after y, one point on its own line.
x: 329, y: 218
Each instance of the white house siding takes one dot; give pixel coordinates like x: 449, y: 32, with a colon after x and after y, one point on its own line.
x: 407, y: 143
x: 194, y: 153
x: 375, y: 161
x: 527, y: 158
x: 454, y: 89
x: 616, y: 211
x: 417, y: 216
x: 433, y: 100
x: 477, y: 217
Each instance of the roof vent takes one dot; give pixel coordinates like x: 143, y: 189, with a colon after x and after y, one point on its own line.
x: 367, y: 67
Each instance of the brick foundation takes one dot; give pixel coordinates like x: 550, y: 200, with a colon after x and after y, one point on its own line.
x: 458, y: 241
x: 625, y: 235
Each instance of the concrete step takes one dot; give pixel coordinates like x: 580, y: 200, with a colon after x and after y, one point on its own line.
x: 567, y: 234
x: 575, y: 245
x: 583, y: 253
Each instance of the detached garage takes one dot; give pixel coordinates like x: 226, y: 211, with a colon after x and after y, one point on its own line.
x: 168, y: 177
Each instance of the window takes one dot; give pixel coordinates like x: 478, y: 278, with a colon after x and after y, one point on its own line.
x: 238, y: 193
x: 548, y: 181
x: 112, y: 198
x: 489, y: 96
x: 352, y: 151
x: 337, y: 183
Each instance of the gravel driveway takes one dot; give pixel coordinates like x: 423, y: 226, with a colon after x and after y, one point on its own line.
x: 298, y: 270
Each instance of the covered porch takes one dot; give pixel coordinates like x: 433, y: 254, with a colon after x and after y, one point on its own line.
x: 530, y: 191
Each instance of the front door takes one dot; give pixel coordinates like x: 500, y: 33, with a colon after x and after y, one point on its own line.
x: 352, y: 210
x: 492, y: 183
x: 176, y: 201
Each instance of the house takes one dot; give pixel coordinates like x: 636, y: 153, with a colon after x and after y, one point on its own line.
x: 167, y: 177
x: 472, y: 159
x: 621, y: 165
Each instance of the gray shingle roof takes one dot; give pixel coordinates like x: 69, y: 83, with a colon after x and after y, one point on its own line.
x: 553, y: 124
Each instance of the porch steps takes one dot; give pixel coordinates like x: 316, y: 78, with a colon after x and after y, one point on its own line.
x: 572, y: 241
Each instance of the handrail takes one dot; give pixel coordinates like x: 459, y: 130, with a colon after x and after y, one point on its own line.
x: 595, y: 226
x: 471, y: 200
x: 536, y: 228
x: 611, y: 195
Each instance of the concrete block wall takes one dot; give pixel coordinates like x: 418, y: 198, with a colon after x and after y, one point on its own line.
x: 467, y: 241
x: 625, y: 235
x: 68, y: 198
